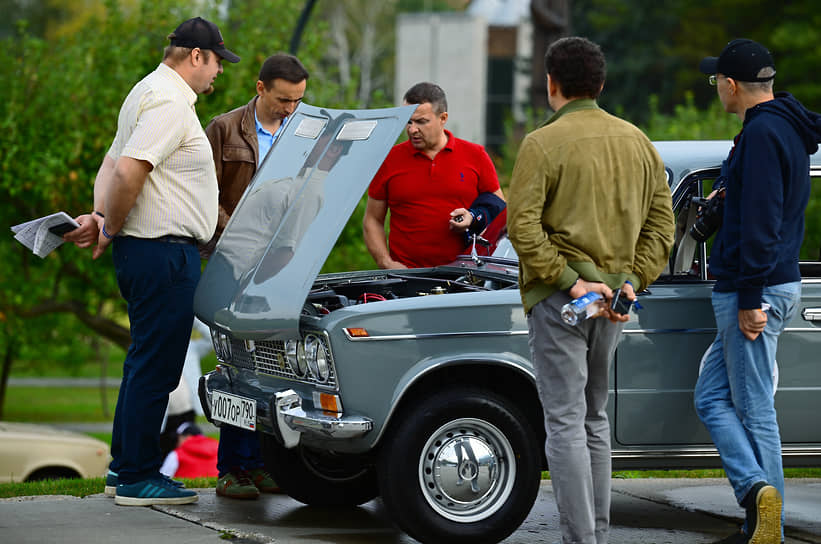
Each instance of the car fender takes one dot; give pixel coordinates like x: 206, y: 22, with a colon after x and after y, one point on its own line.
x: 425, y: 368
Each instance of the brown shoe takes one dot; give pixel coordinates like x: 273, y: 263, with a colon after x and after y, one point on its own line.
x: 263, y: 481
x: 237, y: 485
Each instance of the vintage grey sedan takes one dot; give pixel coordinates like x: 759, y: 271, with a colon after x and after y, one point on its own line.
x: 416, y: 385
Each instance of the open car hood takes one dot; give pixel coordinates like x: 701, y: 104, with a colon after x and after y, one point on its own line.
x: 285, y: 225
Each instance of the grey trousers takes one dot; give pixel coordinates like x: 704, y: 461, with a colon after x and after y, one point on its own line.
x: 572, y: 367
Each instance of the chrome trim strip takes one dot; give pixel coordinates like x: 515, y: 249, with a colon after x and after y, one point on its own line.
x: 463, y: 334
x: 788, y: 451
x: 811, y: 314
x: 668, y: 331
x: 710, y: 330
x: 476, y: 334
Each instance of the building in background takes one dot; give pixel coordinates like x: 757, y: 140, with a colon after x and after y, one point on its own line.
x: 488, y: 60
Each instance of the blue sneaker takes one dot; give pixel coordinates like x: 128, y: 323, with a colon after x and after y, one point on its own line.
x: 111, y: 483
x: 153, y: 491
x: 175, y: 483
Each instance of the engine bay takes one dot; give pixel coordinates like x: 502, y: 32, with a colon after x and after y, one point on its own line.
x: 327, y: 296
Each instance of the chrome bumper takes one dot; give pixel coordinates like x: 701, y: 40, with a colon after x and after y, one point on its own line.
x: 288, y: 417
x: 292, y: 420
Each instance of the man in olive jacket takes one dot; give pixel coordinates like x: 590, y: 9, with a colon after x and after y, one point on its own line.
x: 589, y: 209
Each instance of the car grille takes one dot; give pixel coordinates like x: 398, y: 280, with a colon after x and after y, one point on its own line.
x: 268, y: 357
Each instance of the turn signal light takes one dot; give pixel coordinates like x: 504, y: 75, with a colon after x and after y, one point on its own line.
x: 357, y: 332
x: 328, y: 402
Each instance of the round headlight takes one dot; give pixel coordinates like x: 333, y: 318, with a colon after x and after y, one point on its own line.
x: 323, y: 370
x: 301, y: 358
x: 297, y: 364
x: 311, y: 348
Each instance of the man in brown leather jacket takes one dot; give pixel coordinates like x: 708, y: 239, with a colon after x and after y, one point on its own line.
x: 240, y: 140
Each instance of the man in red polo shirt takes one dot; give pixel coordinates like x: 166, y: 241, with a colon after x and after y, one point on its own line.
x: 436, y: 187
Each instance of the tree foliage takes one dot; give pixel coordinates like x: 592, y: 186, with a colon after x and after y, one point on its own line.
x: 58, y: 113
x: 70, y: 63
x: 653, y: 48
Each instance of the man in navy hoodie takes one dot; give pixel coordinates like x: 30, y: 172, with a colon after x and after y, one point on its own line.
x: 758, y: 284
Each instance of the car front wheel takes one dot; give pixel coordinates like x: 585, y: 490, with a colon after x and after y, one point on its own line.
x: 462, y: 467
x: 319, y: 478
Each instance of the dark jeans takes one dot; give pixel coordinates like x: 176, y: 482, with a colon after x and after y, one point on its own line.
x: 238, y: 450
x: 157, y: 280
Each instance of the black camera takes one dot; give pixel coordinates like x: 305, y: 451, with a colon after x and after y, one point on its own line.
x: 620, y: 303
x: 709, y: 216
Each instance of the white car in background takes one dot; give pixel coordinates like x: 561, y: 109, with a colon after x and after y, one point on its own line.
x: 30, y: 452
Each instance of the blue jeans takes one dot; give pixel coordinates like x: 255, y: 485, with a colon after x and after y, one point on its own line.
x: 157, y: 280
x: 734, y: 392
x: 238, y: 450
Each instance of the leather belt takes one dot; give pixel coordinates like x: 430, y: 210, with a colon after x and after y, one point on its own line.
x: 176, y: 239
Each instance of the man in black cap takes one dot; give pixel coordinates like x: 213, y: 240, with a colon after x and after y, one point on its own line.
x: 155, y: 198
x: 754, y: 259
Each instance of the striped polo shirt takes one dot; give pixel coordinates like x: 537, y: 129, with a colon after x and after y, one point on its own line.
x: 158, y: 124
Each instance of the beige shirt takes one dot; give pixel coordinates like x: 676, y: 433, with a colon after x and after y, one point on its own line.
x: 158, y: 124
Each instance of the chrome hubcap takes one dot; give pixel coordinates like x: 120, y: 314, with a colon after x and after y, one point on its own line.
x: 467, y: 469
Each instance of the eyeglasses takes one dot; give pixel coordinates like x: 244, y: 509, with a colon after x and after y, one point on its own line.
x: 712, y: 80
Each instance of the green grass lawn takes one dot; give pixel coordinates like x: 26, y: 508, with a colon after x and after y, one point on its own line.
x: 79, y: 488
x: 59, y: 404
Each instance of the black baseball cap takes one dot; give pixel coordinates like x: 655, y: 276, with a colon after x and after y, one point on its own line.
x: 198, y: 32
x: 741, y: 60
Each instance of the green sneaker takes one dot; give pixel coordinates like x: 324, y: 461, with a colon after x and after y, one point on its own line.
x: 263, y: 481
x: 237, y: 485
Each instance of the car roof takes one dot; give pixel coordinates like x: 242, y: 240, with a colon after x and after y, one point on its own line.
x: 684, y: 156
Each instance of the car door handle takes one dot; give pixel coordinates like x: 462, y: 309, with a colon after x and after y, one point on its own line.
x: 811, y: 314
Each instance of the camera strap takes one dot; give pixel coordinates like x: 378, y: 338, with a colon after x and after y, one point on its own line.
x: 686, y: 246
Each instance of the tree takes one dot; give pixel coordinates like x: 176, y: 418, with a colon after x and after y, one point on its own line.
x: 58, y: 114
x: 653, y: 48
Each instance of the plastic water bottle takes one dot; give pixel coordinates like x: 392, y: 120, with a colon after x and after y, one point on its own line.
x: 579, y: 309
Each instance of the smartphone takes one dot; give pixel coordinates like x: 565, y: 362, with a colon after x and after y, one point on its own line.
x: 62, y: 228
x: 620, y: 303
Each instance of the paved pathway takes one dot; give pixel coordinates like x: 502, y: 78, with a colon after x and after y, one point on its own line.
x: 646, y: 511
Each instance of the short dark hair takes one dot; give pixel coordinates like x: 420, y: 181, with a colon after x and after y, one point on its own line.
x: 429, y: 93
x: 577, y: 65
x: 282, y: 66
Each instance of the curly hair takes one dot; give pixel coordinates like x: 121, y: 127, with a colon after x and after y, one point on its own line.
x: 577, y: 65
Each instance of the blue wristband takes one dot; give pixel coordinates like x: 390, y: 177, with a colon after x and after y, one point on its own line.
x: 107, y: 235
x: 98, y: 213
x: 636, y: 304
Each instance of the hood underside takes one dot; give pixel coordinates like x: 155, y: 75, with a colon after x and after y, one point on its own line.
x: 290, y: 216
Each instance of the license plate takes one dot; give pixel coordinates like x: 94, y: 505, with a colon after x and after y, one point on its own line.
x: 234, y: 410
